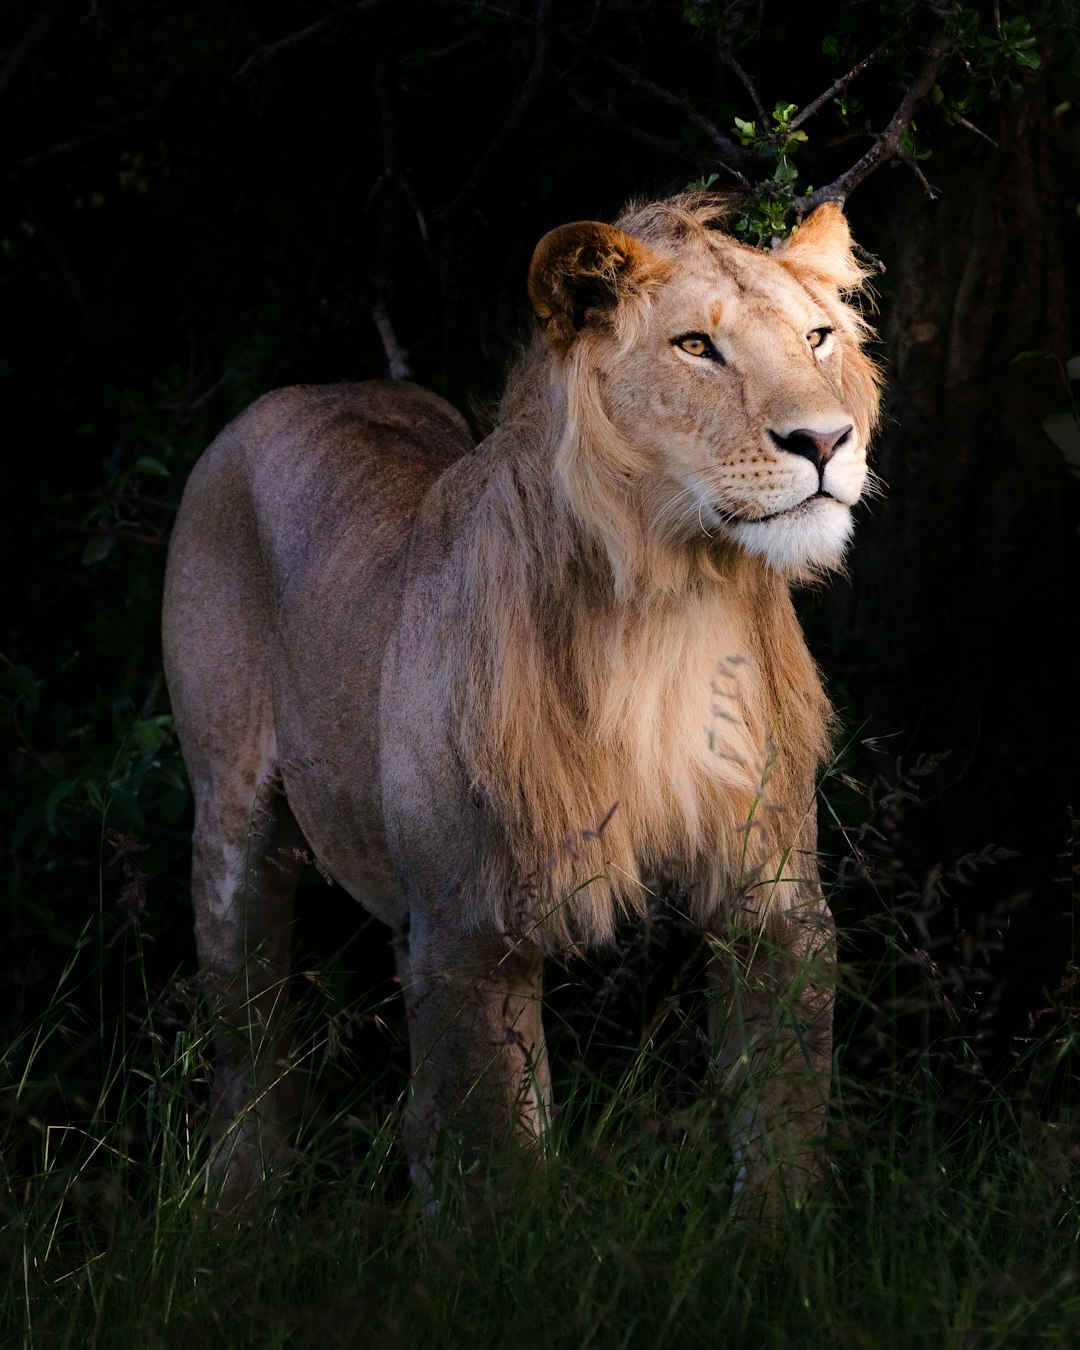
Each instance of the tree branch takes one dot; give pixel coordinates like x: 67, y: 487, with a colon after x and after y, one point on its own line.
x: 975, y: 131
x: 397, y: 358
x: 27, y: 43
x: 835, y: 88
x: 888, y: 142
x: 748, y: 84
x: 728, y: 151
x: 612, y: 119
x: 105, y: 130
x: 269, y: 51
x: 517, y: 110
x: 261, y: 55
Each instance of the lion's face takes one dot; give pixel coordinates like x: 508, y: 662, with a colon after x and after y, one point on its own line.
x: 734, y: 394
x: 735, y: 390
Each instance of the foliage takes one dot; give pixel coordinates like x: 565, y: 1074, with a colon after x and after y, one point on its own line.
x: 948, y: 1218
x: 983, y: 57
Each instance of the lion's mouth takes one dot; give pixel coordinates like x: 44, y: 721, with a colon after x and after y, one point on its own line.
x: 789, y: 511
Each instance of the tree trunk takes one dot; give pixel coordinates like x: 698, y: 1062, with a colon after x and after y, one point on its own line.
x: 960, y: 625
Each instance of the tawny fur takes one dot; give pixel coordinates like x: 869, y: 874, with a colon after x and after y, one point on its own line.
x: 499, y: 691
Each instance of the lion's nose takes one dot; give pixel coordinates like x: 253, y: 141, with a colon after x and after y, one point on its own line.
x: 819, y: 446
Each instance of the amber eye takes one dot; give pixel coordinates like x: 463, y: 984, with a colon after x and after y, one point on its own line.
x: 817, y: 337
x: 697, y: 344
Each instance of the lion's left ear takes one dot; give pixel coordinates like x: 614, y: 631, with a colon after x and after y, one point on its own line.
x: 821, y: 248
x: 582, y: 273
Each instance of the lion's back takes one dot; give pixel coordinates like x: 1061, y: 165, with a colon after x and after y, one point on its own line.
x: 333, y: 450
x: 327, y: 472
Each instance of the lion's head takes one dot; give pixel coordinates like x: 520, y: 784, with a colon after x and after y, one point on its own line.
x: 718, y: 398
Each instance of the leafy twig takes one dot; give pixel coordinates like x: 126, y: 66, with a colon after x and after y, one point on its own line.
x: 837, y: 87
x: 888, y: 142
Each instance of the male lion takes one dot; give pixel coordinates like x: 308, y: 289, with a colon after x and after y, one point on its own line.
x: 498, y: 690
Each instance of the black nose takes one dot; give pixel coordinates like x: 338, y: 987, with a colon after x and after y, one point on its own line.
x: 819, y: 446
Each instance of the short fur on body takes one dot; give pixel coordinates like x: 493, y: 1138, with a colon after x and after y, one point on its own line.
x: 499, y: 690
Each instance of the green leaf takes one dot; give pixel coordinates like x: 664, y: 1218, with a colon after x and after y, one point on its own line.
x: 23, y: 681
x: 830, y: 47
x: 783, y: 113
x: 1064, y: 430
x: 1017, y: 30
x: 124, y: 809
x: 786, y: 172
x: 1028, y: 59
x: 147, y: 464
x: 747, y: 132
x: 63, y: 789
x: 96, y: 549
x: 152, y: 734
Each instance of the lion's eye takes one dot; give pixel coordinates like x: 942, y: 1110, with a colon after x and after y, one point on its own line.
x: 818, y: 336
x: 697, y: 344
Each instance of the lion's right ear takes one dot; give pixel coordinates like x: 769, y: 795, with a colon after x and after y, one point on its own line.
x: 821, y: 248
x: 582, y: 273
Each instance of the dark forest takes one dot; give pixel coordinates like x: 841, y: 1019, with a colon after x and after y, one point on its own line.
x: 200, y: 203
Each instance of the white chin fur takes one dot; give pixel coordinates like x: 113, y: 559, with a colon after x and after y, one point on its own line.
x: 815, y: 535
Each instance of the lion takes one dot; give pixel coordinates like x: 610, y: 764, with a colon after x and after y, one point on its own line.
x: 498, y: 691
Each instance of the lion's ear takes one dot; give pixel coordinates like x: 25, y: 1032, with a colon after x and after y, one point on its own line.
x: 581, y: 273
x: 821, y: 248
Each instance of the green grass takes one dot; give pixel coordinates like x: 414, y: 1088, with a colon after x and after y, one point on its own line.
x: 949, y: 1218
x: 624, y: 1244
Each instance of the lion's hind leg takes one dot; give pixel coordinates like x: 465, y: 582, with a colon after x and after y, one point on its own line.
x: 248, y: 853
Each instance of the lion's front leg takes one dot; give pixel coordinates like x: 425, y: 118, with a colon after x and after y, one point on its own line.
x: 772, y: 1031
x: 481, y: 1089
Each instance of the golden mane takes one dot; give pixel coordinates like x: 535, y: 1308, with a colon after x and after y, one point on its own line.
x: 625, y: 697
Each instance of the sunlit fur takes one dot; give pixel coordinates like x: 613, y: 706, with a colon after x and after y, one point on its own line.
x: 497, y: 692
x: 628, y: 652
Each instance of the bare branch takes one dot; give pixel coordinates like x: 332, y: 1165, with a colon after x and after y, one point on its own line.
x: 397, y: 358
x: 105, y: 130
x: 871, y: 259
x: 747, y: 83
x: 517, y: 111
x: 261, y: 55
x: 728, y: 152
x: 26, y: 44
x: 975, y: 131
x: 837, y: 86
x: 928, y: 187
x: 612, y: 119
x: 888, y: 142
x: 269, y: 51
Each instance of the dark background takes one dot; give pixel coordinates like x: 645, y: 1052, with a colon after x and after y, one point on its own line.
x: 200, y: 203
